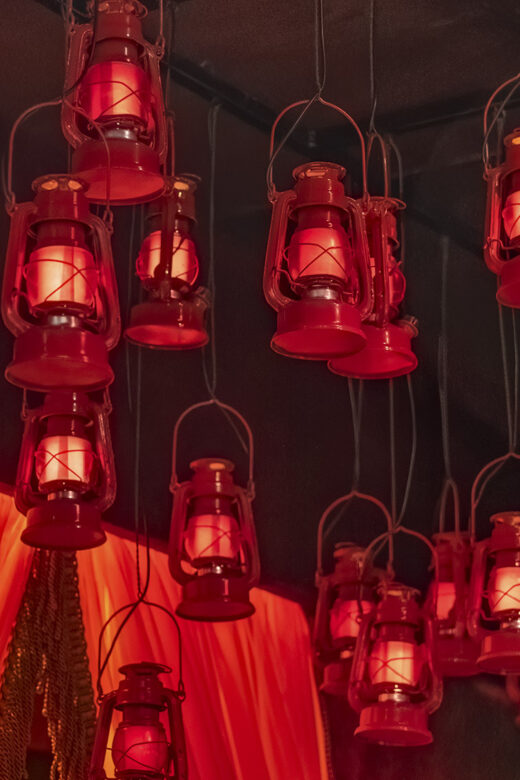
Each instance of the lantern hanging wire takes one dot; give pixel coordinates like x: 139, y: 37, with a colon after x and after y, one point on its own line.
x: 498, y: 115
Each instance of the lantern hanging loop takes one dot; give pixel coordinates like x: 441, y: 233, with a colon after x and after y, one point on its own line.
x: 230, y: 410
x: 273, y: 153
x: 499, y: 112
x: 374, y: 135
x: 486, y: 474
x: 346, y: 499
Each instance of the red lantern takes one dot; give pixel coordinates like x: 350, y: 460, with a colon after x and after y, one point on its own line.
x: 213, y: 551
x: 456, y: 652
x: 319, y: 280
x: 393, y: 682
x: 502, y: 246
x: 141, y: 747
x: 494, y: 599
x: 59, y: 292
x: 345, y: 597
x: 66, y: 475
x: 387, y: 352
x: 115, y: 91
x: 168, y: 267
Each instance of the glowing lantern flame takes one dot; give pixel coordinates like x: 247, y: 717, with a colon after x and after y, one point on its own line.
x: 61, y: 275
x: 184, y: 266
x: 67, y: 459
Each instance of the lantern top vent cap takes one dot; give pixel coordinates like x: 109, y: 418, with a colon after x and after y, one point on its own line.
x: 511, y: 518
x: 63, y: 182
x: 144, y: 669
x: 318, y: 170
x: 212, y: 464
x: 404, y: 592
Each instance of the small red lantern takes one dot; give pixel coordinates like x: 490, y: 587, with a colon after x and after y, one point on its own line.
x: 66, y: 475
x: 502, y: 245
x: 115, y: 83
x: 213, y: 551
x: 168, y: 267
x: 455, y: 651
x: 387, y: 352
x: 393, y: 682
x: 141, y: 747
x: 319, y: 280
x: 59, y: 292
x: 345, y: 597
x: 494, y: 597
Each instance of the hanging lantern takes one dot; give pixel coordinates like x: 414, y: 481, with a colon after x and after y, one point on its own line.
x: 455, y: 651
x: 387, y: 352
x: 114, y: 79
x: 502, y: 245
x: 59, y: 292
x: 318, y: 281
x: 141, y: 747
x: 494, y: 599
x: 66, y: 476
x: 345, y: 597
x: 168, y: 267
x: 393, y: 682
x: 213, y: 552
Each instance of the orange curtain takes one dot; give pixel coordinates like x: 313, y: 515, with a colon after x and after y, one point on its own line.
x: 252, y: 710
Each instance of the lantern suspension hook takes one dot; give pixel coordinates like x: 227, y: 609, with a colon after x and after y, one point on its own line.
x: 374, y: 135
x: 230, y: 410
x: 488, y: 126
x: 388, y: 537
x: 481, y: 481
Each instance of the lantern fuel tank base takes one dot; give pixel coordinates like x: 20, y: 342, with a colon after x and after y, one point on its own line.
x: 508, y: 293
x: 387, y: 354
x: 335, y: 678
x: 215, y: 598
x: 51, y: 357
x: 315, y: 329
x: 64, y: 524
x: 391, y: 723
x: 133, y: 174
x: 176, y: 324
x: 500, y: 653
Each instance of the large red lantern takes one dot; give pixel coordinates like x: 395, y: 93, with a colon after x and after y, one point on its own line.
x: 387, y: 352
x: 66, y: 475
x: 502, y: 243
x: 317, y: 270
x: 141, y: 749
x: 345, y: 596
x: 168, y: 267
x: 59, y: 293
x: 456, y: 652
x: 393, y: 682
x: 213, y: 551
x: 494, y: 598
x: 113, y: 90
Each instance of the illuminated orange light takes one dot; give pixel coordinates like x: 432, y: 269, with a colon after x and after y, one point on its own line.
x: 64, y: 459
x: 140, y: 748
x: 394, y: 662
x: 504, y: 589
x: 319, y: 251
x: 511, y: 215
x: 185, y: 264
x: 212, y: 536
x: 116, y: 89
x: 346, y: 616
x: 60, y: 274
x: 445, y: 595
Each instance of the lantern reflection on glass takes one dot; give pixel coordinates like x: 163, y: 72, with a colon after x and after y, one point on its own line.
x: 66, y: 474
x: 456, y: 652
x: 213, y: 551
x: 141, y: 747
x: 114, y: 79
x: 345, y: 596
x: 318, y: 281
x: 393, y: 682
x: 502, y: 243
x: 168, y: 267
x: 59, y: 294
x: 494, y: 598
x: 387, y: 352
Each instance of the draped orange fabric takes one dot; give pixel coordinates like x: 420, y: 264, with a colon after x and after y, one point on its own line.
x: 252, y: 710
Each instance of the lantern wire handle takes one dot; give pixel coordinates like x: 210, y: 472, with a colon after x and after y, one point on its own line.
x: 374, y: 135
x: 387, y: 537
x: 515, y: 82
x: 231, y: 410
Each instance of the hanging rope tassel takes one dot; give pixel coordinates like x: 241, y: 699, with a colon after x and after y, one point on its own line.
x: 48, y: 654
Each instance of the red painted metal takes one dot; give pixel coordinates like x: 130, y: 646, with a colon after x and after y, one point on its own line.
x: 387, y: 352
x: 394, y: 683
x: 114, y: 115
x: 502, y: 244
x: 141, y: 747
x: 318, y: 281
x: 66, y: 474
x: 59, y: 294
x: 494, y: 598
x: 174, y: 315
